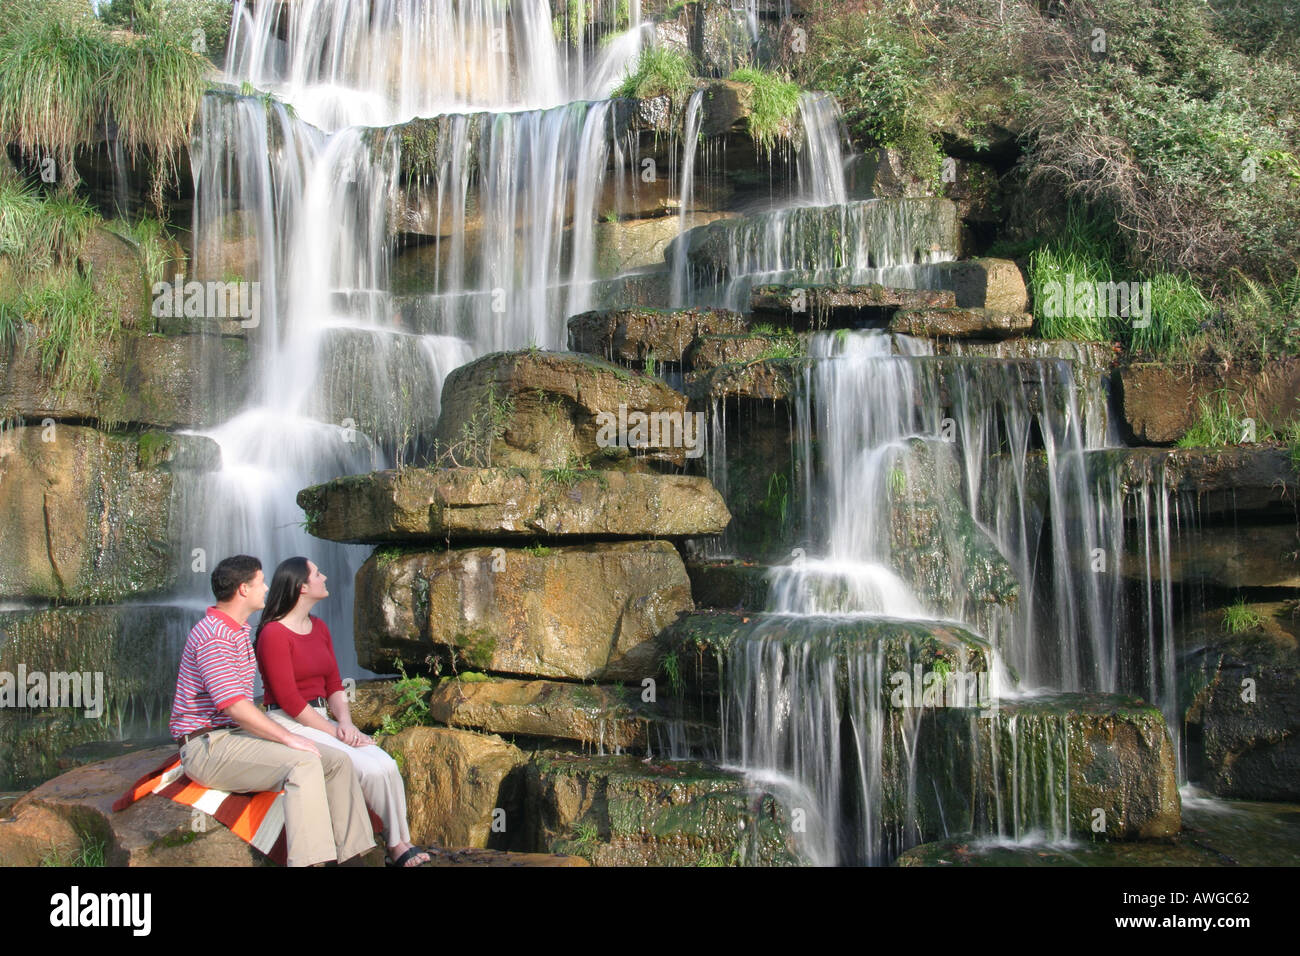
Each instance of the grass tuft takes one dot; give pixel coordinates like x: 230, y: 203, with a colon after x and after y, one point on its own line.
x: 658, y: 71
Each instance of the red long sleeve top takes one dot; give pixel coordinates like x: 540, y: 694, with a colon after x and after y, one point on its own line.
x: 297, y: 668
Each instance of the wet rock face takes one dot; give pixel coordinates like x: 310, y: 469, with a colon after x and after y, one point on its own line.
x: 507, y: 503
x: 630, y: 336
x: 621, y: 811
x: 842, y: 305
x: 1160, y: 402
x: 134, y: 650
x: 145, y: 379
x: 86, y: 514
x: 1084, y: 765
x: 1243, y: 709
x: 587, y: 612
x: 547, y: 410
x: 1255, y: 481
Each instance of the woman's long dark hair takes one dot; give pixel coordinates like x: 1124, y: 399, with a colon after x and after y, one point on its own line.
x: 286, y: 588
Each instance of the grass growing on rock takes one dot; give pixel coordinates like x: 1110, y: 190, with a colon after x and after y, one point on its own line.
x: 658, y: 71
x: 775, y: 103
x: 65, y: 77
x: 1239, y: 618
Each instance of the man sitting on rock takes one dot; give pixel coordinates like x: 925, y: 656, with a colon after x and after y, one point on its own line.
x: 227, y: 743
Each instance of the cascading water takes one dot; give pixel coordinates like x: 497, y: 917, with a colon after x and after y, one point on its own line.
x: 303, y: 192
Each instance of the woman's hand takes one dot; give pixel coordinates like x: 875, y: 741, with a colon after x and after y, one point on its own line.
x: 349, y: 734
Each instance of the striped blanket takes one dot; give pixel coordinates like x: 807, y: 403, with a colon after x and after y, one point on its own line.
x: 256, y: 818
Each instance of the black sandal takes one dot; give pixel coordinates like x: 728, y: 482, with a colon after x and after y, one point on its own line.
x: 400, y: 862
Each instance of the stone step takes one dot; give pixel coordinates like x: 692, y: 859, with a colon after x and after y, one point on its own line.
x: 631, y: 336
x: 960, y: 323
x: 585, y: 612
x: 622, y: 811
x: 710, y: 351
x: 842, y: 304
x: 417, y: 504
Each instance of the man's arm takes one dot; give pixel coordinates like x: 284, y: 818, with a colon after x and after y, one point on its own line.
x: 245, y: 713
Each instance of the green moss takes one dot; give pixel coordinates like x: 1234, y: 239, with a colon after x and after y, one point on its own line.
x: 476, y: 647
x: 155, y: 448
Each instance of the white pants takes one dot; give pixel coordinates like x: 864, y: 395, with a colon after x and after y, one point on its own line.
x: 381, y: 782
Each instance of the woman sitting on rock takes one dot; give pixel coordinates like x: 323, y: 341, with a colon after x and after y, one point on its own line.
x: 300, y: 674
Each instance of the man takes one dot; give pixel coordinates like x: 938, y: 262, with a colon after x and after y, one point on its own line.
x: 227, y: 743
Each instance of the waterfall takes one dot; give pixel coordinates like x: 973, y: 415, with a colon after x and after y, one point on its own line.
x: 690, y: 145
x: 821, y: 157
x: 304, y: 181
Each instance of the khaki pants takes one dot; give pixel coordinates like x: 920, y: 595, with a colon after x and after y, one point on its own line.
x: 325, y: 814
x: 380, y: 780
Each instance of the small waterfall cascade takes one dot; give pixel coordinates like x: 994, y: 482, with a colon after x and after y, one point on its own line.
x: 821, y: 158
x: 920, y: 471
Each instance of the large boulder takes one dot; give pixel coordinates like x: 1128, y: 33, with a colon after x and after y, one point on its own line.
x: 1243, y: 707
x: 996, y: 284
x: 842, y: 304
x: 590, y: 612
x: 1074, y: 765
x: 507, y: 503
x: 535, y: 409
x: 462, y: 789
x: 87, y: 513
x: 630, y: 336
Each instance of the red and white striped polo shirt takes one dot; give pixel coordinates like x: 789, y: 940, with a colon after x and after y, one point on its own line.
x: 218, y: 667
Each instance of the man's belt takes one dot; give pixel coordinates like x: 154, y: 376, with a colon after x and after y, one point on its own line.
x: 183, y: 739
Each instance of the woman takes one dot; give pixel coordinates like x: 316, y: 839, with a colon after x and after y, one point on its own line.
x: 300, y: 672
